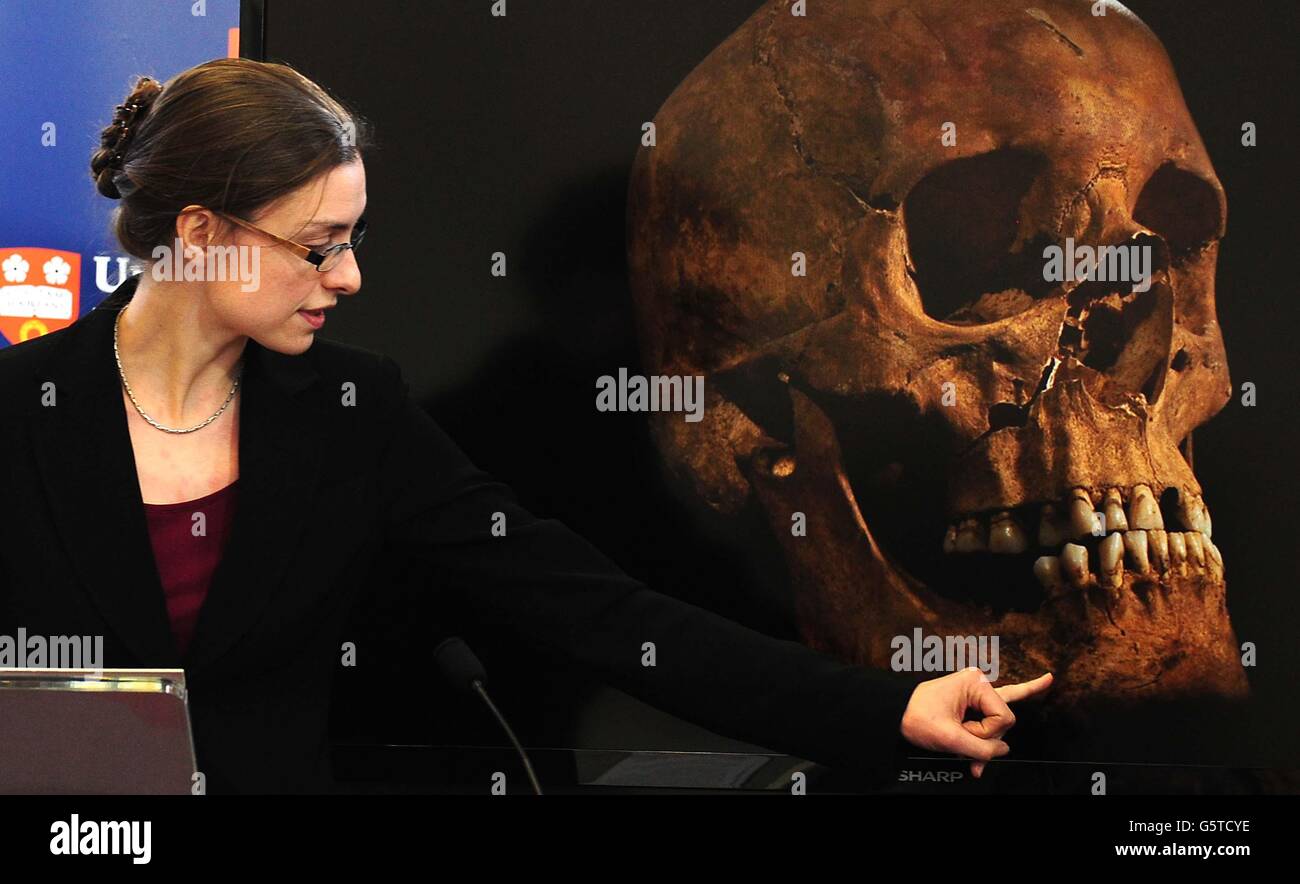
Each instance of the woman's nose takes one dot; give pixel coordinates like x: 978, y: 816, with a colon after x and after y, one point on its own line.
x: 345, y: 279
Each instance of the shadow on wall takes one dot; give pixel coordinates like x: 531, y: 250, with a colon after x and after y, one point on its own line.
x: 528, y: 417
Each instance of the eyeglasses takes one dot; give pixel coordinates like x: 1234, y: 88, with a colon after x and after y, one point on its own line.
x: 324, y: 259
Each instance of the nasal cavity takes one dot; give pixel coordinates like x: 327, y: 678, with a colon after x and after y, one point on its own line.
x: 1104, y: 312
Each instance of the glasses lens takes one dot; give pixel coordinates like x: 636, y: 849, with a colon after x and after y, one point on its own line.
x: 334, y: 257
x: 331, y: 260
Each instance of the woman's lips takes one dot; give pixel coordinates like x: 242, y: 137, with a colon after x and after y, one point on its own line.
x: 314, y: 318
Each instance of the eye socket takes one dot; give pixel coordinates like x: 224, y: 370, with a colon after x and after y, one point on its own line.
x: 962, y: 220
x: 1182, y: 207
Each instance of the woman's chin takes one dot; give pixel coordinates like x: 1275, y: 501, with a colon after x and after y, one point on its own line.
x: 293, y: 344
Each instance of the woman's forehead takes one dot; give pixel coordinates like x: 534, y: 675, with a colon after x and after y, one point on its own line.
x: 333, y: 198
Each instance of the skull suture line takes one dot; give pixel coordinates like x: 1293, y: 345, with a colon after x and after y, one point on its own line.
x: 822, y: 134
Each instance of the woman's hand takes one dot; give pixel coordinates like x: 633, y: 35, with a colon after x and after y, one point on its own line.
x: 933, y: 718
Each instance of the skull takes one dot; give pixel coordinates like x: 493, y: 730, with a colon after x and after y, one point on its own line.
x: 843, y: 225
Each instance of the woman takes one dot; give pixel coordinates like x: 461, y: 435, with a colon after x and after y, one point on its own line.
x: 200, y: 480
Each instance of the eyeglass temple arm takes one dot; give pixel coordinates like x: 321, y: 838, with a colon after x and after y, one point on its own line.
x: 299, y: 248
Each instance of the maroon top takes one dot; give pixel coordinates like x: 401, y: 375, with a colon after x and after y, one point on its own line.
x: 186, y: 562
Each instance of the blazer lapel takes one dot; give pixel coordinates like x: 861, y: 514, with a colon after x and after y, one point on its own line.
x: 278, y: 470
x: 87, y: 463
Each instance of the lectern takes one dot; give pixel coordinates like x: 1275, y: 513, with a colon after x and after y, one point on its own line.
x: 95, y: 732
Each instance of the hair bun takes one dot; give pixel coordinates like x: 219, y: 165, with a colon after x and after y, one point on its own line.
x: 115, y: 139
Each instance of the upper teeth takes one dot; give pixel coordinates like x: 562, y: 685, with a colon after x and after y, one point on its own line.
x: 1135, y: 541
x: 1005, y: 536
x: 1113, y: 509
x: 1083, y: 519
x: 1143, y: 509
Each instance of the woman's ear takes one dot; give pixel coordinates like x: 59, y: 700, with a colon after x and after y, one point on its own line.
x: 197, y: 228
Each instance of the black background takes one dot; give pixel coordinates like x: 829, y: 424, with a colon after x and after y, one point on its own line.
x: 517, y: 135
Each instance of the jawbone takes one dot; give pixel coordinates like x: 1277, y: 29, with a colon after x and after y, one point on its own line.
x: 1157, y: 633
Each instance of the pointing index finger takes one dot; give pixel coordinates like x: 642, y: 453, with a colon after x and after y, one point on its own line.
x: 1014, y: 692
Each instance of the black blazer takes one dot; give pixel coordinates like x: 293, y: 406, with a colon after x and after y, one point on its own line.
x: 323, y: 487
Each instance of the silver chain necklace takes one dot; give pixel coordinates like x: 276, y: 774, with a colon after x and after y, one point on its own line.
x: 117, y: 358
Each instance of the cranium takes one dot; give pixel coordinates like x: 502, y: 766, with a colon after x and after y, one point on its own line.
x: 949, y: 422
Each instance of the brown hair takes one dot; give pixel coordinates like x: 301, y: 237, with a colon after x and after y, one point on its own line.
x: 231, y: 134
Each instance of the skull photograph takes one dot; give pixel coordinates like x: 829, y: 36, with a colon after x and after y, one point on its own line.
x: 948, y: 269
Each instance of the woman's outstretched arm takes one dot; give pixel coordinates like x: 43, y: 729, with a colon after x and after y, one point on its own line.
x: 542, y: 582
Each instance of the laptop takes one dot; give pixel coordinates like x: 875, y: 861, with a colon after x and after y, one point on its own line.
x: 95, y: 732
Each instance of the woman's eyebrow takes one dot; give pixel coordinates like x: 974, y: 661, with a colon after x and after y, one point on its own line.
x: 327, y: 225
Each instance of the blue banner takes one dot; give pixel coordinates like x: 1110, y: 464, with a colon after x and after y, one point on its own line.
x: 64, y: 65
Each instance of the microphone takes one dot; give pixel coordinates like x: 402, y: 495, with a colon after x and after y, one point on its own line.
x: 463, y: 669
